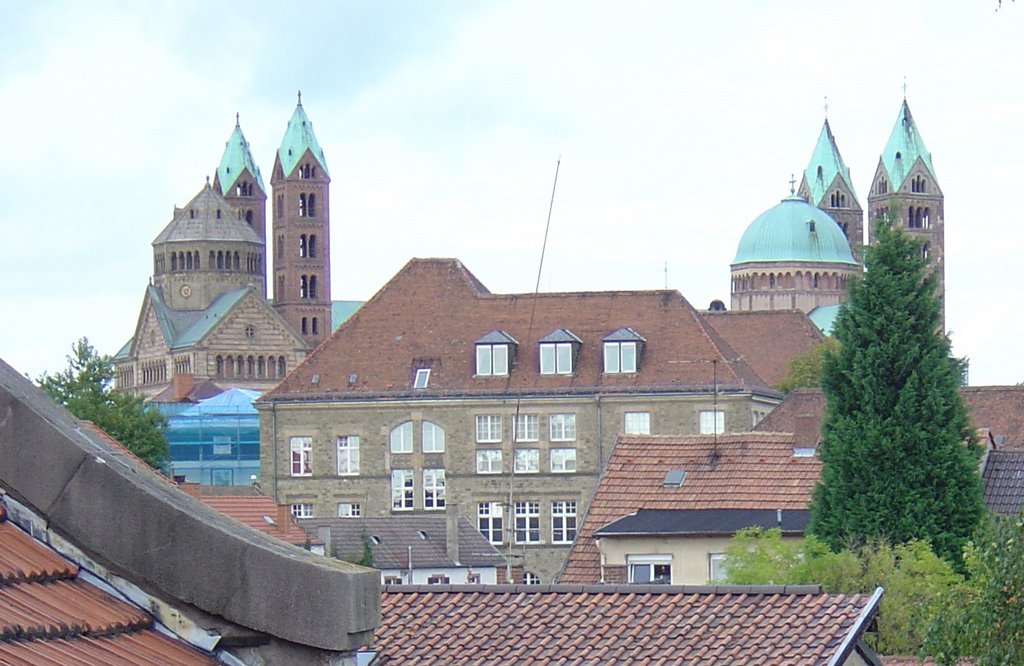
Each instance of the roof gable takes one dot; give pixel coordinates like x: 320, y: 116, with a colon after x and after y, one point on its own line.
x: 236, y: 160
x: 825, y: 167
x: 732, y: 471
x: 436, y: 309
x: 791, y: 332
x: 904, y: 149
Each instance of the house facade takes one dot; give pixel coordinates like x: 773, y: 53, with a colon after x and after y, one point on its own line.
x: 437, y: 392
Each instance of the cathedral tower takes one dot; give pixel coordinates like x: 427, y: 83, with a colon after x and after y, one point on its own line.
x: 239, y: 181
x: 826, y: 184
x: 906, y: 190
x: 301, y: 228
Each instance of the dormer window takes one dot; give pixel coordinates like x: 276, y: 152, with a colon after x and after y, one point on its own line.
x: 557, y: 351
x: 622, y: 351
x: 493, y: 354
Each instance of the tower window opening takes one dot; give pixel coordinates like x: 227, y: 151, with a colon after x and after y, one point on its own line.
x: 312, y: 286
x: 312, y: 205
x: 304, y: 326
x: 312, y: 245
x: 248, y: 217
x: 303, y: 287
x: 302, y: 205
x: 302, y: 245
x: 316, y: 327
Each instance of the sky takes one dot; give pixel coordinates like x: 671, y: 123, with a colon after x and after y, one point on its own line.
x: 672, y: 126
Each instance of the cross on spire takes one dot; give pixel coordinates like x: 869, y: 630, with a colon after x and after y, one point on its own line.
x: 904, y: 87
x: 236, y: 119
x: 792, y: 184
x: 300, y: 98
x: 826, y: 107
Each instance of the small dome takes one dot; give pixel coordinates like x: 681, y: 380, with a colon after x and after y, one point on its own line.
x: 794, y: 231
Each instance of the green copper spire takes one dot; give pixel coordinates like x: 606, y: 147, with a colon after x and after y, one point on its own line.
x: 236, y: 159
x: 904, y: 147
x: 826, y: 163
x: 297, y: 138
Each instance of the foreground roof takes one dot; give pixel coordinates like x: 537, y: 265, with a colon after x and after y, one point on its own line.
x: 49, y: 614
x: 261, y: 513
x: 1003, y: 480
x: 754, y: 470
x: 432, y: 313
x: 620, y: 624
x: 768, y: 339
x: 426, y: 536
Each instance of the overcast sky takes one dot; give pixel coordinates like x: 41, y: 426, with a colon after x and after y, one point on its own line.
x: 677, y: 123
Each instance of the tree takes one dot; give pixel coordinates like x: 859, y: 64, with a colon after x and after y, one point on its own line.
x: 85, y: 389
x: 987, y: 621
x: 899, y: 459
x: 805, y: 370
x: 918, y: 584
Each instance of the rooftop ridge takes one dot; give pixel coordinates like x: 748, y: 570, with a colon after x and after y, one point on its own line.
x: 562, y: 588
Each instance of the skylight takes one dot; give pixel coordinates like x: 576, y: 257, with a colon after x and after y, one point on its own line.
x: 674, y: 478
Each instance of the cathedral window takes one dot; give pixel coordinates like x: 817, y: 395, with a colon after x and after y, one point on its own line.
x: 814, y: 283
x: 174, y: 261
x: 250, y: 366
x: 312, y: 205
x: 303, y: 286
x: 925, y: 250
x: 316, y: 327
x: 261, y: 366
x: 238, y: 262
x: 302, y: 245
x: 220, y: 261
x: 238, y: 366
x: 218, y: 213
x: 196, y: 260
x: 280, y: 247
x: 305, y: 327
x: 302, y: 205
x: 280, y: 367
x: 188, y: 261
x: 312, y: 245
x: 220, y: 366
x: 248, y: 217
x: 771, y: 281
x: 279, y: 208
x: 312, y: 286
x: 280, y: 287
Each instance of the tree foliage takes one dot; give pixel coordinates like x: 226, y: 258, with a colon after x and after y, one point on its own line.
x: 986, y: 620
x: 85, y: 389
x: 917, y: 583
x: 805, y: 370
x: 898, y: 460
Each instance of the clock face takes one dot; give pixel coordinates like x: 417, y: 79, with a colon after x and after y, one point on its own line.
x: 186, y: 290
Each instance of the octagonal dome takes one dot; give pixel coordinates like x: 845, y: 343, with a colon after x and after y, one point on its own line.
x: 794, y: 231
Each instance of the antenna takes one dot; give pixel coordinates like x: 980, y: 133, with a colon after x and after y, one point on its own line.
x: 509, y: 517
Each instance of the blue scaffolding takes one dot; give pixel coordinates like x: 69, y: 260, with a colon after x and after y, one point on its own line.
x: 217, y: 440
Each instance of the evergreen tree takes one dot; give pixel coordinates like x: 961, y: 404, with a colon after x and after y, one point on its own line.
x: 85, y: 389
x: 899, y: 458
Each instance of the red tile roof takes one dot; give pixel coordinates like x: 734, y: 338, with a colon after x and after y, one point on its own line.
x: 48, y: 615
x: 434, y: 310
x: 634, y: 624
x: 768, y: 340
x: 251, y: 509
x: 733, y: 471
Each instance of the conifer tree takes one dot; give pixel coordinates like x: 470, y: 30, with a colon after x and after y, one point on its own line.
x: 899, y: 458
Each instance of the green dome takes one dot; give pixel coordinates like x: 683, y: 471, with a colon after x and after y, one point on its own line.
x: 794, y: 231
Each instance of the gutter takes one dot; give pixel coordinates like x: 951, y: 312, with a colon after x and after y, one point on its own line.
x: 852, y: 637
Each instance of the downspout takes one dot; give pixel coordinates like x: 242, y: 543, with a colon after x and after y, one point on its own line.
x: 273, y: 427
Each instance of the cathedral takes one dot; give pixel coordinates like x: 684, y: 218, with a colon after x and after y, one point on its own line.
x: 801, y: 253
x: 206, y: 323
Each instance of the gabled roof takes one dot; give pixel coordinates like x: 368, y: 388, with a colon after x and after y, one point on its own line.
x: 436, y: 308
x: 701, y: 522
x: 236, y: 160
x: 755, y: 470
x: 397, y: 534
x: 903, y: 149
x: 801, y: 403
x: 768, y: 339
x: 1003, y: 481
x: 49, y: 614
x: 299, y: 138
x: 208, y: 318
x: 198, y: 221
x: 825, y: 166
x: 620, y: 624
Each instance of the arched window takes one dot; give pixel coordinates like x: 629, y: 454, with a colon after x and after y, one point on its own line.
x: 925, y: 250
x: 280, y: 367
x: 248, y: 217
x: 280, y: 246
x: 312, y: 205
x: 304, y: 328
x: 302, y: 245
x: 926, y: 220
x: 316, y: 327
x: 814, y: 284
x: 220, y: 366
x: 280, y: 287
x: 261, y: 366
x: 213, y: 259
x: 238, y: 366
x: 188, y: 261
x: 312, y: 286
x: 250, y: 366
x: 303, y: 287
x: 174, y: 261
x: 771, y: 281
x: 279, y: 209
x: 220, y: 261
x: 312, y: 245
x: 238, y: 262
x: 196, y: 260
x: 302, y: 205
x: 820, y: 173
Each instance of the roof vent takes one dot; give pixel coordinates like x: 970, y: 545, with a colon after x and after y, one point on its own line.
x: 674, y: 478
x: 315, y: 379
x: 423, y: 535
x: 352, y: 379
x: 269, y: 521
x: 717, y: 306
x: 375, y: 539
x: 804, y: 451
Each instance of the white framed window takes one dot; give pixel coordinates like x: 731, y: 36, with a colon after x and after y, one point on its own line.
x: 563, y: 460
x: 401, y: 490
x: 492, y: 360
x: 433, y: 489
x: 438, y: 579
x: 637, y: 423
x: 619, y: 357
x: 488, y: 461
x: 302, y: 510
x: 489, y: 521
x: 348, y: 455
x: 563, y: 521
x: 392, y: 580
x: 422, y: 378
x: 556, y: 358
x: 527, y: 461
x: 563, y: 427
x: 401, y: 438
x: 302, y: 456
x: 717, y: 568
x: 433, y: 438
x: 646, y: 569
x: 349, y: 510
x: 531, y: 578
x: 527, y: 516
x: 526, y: 428
x: 488, y: 428
x: 712, y: 422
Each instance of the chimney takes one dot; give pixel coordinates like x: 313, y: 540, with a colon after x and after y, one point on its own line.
x: 192, y: 489
x: 284, y: 517
x: 806, y: 430
x: 181, y: 385
x: 451, y: 516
